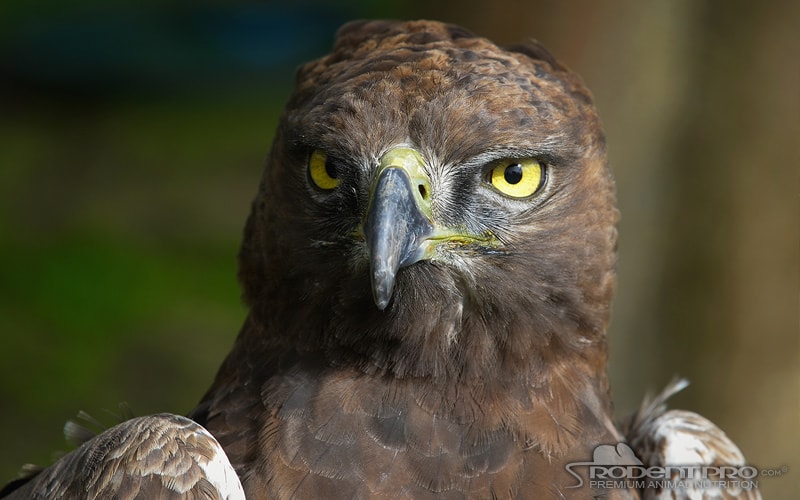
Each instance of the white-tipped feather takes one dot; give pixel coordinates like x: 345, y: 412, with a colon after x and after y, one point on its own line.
x: 220, y: 473
x: 662, y: 437
x: 156, y: 456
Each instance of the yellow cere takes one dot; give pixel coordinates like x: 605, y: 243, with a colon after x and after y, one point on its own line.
x: 518, y: 178
x: 321, y: 173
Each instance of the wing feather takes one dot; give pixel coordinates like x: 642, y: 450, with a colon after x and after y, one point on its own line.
x: 157, y: 456
x: 662, y: 437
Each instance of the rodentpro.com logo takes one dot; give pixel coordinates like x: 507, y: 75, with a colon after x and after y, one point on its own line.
x: 617, y: 467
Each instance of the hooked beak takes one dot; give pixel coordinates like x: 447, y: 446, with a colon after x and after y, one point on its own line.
x: 398, y: 221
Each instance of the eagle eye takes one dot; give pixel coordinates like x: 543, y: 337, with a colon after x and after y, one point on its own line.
x: 322, y: 170
x: 518, y: 178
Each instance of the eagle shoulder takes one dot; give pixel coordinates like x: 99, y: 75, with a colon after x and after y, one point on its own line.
x: 157, y: 456
x: 662, y: 438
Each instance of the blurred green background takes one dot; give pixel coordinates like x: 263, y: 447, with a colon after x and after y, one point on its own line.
x: 132, y: 137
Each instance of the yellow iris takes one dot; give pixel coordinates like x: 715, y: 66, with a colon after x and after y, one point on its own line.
x: 517, y: 178
x: 322, y: 172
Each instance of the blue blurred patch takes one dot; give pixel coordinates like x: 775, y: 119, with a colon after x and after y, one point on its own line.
x: 125, y: 48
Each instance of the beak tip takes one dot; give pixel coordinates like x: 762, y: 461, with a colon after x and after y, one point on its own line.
x: 381, y: 303
x: 382, y: 285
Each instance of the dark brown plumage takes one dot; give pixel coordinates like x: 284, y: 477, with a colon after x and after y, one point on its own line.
x: 429, y: 265
x: 486, y: 371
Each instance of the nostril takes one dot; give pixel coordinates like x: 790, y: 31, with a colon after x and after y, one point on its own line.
x: 423, y: 191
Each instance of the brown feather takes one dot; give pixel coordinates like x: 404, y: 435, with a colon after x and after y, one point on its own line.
x: 662, y: 437
x: 159, y: 456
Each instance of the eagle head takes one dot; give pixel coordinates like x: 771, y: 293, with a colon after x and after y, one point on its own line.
x: 433, y: 202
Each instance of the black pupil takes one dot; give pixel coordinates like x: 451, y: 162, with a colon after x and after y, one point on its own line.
x: 330, y: 168
x: 513, y: 173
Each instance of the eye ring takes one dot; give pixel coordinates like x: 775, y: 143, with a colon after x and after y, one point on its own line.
x: 517, y: 178
x: 322, y: 170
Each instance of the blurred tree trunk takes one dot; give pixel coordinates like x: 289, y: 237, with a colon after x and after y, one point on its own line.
x: 731, y: 280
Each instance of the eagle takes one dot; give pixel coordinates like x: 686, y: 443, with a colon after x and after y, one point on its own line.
x: 428, y: 264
